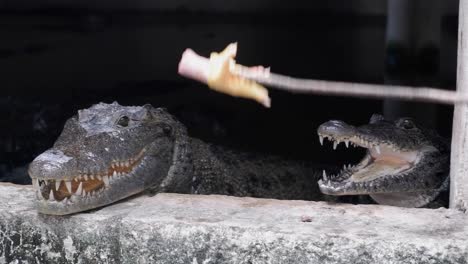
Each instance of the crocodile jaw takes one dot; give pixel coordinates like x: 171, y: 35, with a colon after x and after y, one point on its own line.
x: 69, y: 194
x: 382, y: 161
x: 404, y: 165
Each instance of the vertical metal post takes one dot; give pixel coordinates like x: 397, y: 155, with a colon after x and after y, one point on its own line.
x: 459, y: 158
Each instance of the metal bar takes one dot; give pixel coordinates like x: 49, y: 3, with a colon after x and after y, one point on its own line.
x: 459, y: 155
x: 297, y: 85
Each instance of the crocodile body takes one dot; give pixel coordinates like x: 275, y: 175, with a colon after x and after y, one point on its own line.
x: 109, y: 152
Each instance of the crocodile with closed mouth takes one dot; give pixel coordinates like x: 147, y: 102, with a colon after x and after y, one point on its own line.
x: 109, y: 152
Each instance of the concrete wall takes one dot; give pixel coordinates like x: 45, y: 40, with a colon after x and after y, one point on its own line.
x: 172, y: 228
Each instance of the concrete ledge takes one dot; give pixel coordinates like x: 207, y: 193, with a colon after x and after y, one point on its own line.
x: 174, y: 228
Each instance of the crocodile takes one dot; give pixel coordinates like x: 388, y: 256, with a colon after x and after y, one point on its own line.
x: 109, y: 152
x: 405, y: 164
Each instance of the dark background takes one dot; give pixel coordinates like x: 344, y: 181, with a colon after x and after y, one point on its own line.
x: 60, y: 56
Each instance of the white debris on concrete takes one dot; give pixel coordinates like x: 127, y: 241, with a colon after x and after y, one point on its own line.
x: 175, y: 228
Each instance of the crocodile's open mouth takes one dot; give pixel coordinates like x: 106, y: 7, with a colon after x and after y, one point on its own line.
x: 85, y: 184
x: 382, y: 161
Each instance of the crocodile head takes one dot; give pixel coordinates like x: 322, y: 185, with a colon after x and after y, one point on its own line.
x: 405, y: 164
x: 106, y: 153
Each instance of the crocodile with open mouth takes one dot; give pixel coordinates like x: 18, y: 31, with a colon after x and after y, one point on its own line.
x: 109, y: 152
x: 405, y: 164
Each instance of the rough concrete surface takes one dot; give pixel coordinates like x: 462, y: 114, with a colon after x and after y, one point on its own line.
x: 175, y: 228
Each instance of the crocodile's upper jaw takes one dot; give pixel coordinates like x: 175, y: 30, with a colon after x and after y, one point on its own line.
x: 398, y: 169
x: 96, y: 162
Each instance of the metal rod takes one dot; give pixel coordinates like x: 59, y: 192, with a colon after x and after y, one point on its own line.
x: 459, y: 151
x: 297, y: 85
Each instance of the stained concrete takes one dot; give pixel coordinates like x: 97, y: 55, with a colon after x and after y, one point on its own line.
x: 175, y: 228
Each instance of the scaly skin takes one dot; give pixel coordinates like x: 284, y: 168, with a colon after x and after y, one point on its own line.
x: 109, y: 152
x: 406, y: 165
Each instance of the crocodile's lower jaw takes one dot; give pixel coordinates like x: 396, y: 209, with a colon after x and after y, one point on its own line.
x: 405, y: 199
x: 88, y: 191
x: 97, y: 199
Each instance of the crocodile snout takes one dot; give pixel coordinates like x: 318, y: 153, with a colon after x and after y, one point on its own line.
x: 52, y: 163
x: 336, y: 128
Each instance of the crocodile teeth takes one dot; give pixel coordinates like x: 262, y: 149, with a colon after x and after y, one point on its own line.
x: 85, y: 177
x: 114, y: 174
x: 51, y: 195
x: 105, y: 179
x: 91, y: 177
x: 335, y: 144
x: 35, y: 183
x: 68, y: 184
x: 321, y: 140
x: 57, y: 185
x: 99, y: 177
x: 324, y: 175
x: 79, y: 191
x: 346, y: 143
x: 377, y: 149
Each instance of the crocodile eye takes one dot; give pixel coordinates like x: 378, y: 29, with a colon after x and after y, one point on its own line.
x: 407, y: 124
x: 123, y: 121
